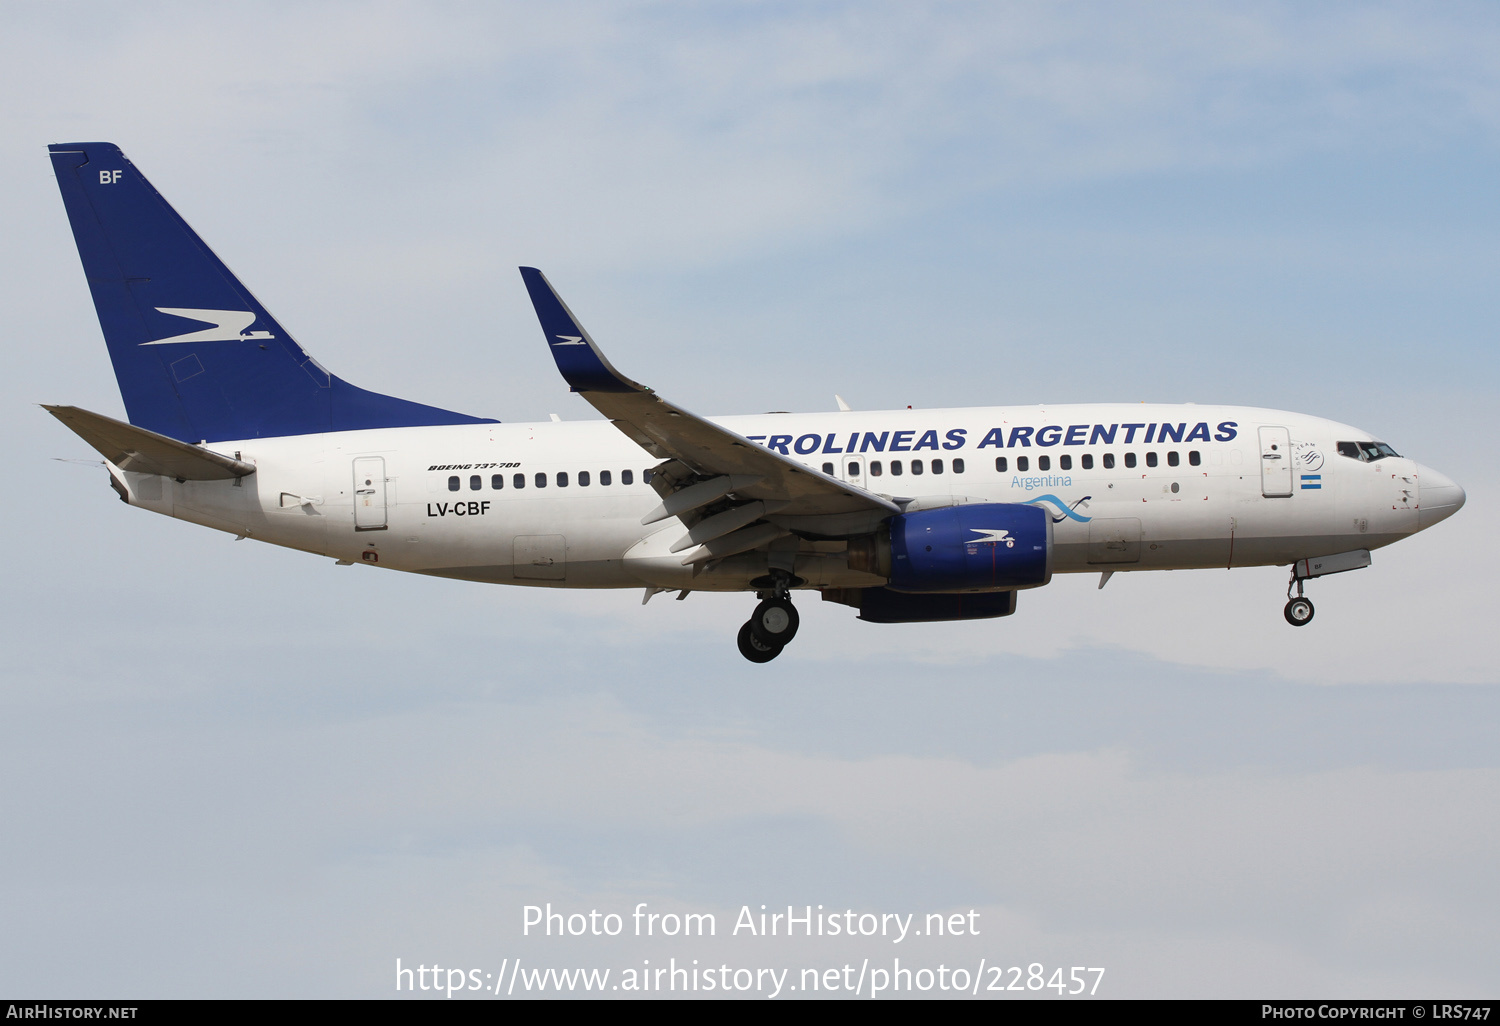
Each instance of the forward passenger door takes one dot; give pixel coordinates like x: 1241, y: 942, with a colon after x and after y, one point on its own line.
x: 1275, y: 462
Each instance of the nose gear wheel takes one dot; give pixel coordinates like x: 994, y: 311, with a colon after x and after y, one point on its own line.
x: 1299, y: 612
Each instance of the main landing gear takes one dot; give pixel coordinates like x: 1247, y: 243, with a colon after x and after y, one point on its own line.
x: 1299, y: 610
x: 774, y: 622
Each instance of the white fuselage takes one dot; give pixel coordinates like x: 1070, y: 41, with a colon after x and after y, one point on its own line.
x: 1189, y: 486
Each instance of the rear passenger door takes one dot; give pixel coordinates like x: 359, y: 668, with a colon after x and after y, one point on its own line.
x: 369, y: 494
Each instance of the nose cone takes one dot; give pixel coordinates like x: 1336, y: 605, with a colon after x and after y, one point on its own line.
x: 1438, y: 498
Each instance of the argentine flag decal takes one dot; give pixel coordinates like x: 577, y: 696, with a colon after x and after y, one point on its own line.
x: 1311, y: 481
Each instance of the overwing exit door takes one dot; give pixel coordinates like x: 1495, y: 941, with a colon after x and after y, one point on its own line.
x: 369, y: 493
x: 1275, y: 462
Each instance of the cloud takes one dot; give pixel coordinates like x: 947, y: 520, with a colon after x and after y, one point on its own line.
x: 456, y: 816
x: 677, y: 133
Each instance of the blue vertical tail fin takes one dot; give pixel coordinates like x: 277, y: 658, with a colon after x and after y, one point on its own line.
x: 196, y: 355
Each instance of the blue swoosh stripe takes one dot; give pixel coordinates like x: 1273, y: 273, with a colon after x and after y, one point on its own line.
x: 1062, y: 507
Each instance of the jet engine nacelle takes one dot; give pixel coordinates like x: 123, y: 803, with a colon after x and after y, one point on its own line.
x: 989, y: 546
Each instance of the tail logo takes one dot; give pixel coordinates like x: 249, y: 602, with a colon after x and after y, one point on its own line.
x: 228, y: 326
x: 569, y: 340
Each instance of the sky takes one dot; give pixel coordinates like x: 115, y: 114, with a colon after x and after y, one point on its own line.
x: 239, y: 771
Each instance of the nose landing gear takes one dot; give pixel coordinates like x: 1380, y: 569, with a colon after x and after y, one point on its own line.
x: 1299, y: 610
x: 773, y: 624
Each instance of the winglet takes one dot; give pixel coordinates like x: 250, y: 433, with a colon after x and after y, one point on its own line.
x: 582, y: 365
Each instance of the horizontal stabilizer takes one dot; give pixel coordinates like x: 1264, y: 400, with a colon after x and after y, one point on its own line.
x: 146, y: 452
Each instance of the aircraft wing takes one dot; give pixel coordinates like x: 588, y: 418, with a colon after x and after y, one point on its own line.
x: 669, y: 432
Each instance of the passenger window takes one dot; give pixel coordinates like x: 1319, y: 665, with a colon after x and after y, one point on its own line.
x: 828, y: 469
x: 1150, y: 459
x: 497, y: 481
x: 453, y: 485
x: 1023, y: 463
x: 1044, y: 463
x: 604, y: 477
x: 876, y: 468
x: 1088, y: 461
x: 627, y: 477
x: 852, y: 469
x: 1195, y: 458
x: 562, y: 479
x: 583, y: 479
x: 896, y: 468
x: 1065, y: 463
x: 475, y: 483
x: 958, y: 465
x: 1109, y: 461
x: 1130, y: 460
x: 916, y: 467
x: 541, y: 480
x: 937, y: 466
x: 645, y: 477
x: 1002, y: 464
x: 1173, y: 459
x: 518, y: 481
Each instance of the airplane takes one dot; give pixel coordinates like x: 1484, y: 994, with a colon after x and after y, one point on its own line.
x: 904, y: 515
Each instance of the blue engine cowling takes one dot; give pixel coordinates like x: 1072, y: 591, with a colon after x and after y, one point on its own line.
x: 991, y: 546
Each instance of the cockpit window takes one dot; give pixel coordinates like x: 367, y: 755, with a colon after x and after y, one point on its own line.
x: 1366, y: 452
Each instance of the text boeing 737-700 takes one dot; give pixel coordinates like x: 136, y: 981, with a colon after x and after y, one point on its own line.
x: 906, y: 515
